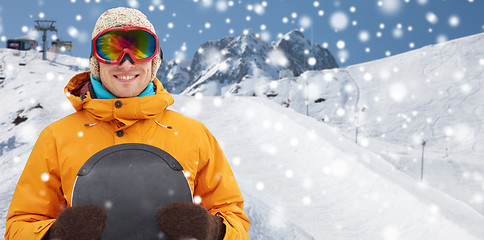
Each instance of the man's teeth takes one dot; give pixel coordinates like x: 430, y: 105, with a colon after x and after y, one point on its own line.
x: 126, y: 77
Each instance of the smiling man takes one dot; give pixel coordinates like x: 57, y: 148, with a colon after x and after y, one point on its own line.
x: 119, y: 101
x: 125, y: 79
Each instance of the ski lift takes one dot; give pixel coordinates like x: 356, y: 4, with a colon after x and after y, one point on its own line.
x: 59, y: 44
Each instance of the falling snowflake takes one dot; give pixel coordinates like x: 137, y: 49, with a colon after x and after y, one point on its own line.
x: 343, y: 55
x: 441, y: 38
x: 278, y: 58
x: 49, y: 76
x: 259, y: 9
x: 397, y: 32
x: 364, y: 36
x: 339, y: 21
x: 132, y: 3
x: 398, y: 92
x: 236, y: 161
x: 269, y: 149
x: 221, y: 6
x: 306, y: 200
x: 431, y: 17
x: 477, y: 198
x: 197, y: 199
x: 340, y: 112
x: 289, y: 173
x: 45, y: 177
x: 340, y: 44
x: 312, y: 61
x: 305, y: 22
x: 73, y: 32
x: 422, y: 2
x: 454, y: 21
x: 217, y: 102
x: 390, y: 7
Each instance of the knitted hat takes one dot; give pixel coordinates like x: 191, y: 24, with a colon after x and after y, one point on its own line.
x: 118, y: 17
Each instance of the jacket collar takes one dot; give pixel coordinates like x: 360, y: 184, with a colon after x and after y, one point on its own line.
x: 124, y: 111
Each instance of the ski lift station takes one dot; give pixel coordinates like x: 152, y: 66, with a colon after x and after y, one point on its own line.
x: 22, y: 43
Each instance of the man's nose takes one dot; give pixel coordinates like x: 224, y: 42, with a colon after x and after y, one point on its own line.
x: 126, y: 62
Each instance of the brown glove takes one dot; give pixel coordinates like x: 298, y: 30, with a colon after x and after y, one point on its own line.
x: 188, y: 220
x: 83, y: 222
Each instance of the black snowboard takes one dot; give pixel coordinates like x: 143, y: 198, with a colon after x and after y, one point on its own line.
x: 131, y: 182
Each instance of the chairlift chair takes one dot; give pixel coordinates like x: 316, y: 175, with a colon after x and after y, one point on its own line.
x: 23, y: 61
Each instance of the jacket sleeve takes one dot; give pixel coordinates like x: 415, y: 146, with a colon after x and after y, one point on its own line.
x: 216, y: 186
x: 38, y: 197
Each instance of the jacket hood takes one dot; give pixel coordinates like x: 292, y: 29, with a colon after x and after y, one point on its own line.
x: 126, y: 111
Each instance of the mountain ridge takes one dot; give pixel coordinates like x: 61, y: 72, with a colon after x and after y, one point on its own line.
x: 219, y: 65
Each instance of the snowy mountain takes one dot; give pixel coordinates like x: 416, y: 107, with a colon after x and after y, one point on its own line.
x: 218, y: 67
x: 303, y: 177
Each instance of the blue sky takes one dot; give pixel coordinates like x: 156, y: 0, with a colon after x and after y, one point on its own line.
x: 355, y: 31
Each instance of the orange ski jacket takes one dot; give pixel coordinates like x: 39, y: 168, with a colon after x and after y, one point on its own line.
x: 45, y: 186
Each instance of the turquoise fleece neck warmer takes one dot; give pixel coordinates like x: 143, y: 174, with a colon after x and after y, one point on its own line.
x: 102, y: 93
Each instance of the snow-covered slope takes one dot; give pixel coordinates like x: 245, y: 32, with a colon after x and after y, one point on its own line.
x: 432, y: 95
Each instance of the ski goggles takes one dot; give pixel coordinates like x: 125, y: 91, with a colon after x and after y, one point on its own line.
x: 112, y: 45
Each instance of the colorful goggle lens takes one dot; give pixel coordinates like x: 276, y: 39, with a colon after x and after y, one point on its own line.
x: 111, y: 45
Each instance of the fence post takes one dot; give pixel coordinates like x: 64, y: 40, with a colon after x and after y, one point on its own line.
x: 422, y: 166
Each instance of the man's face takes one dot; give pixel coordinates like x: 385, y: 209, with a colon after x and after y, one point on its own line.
x: 126, y: 79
